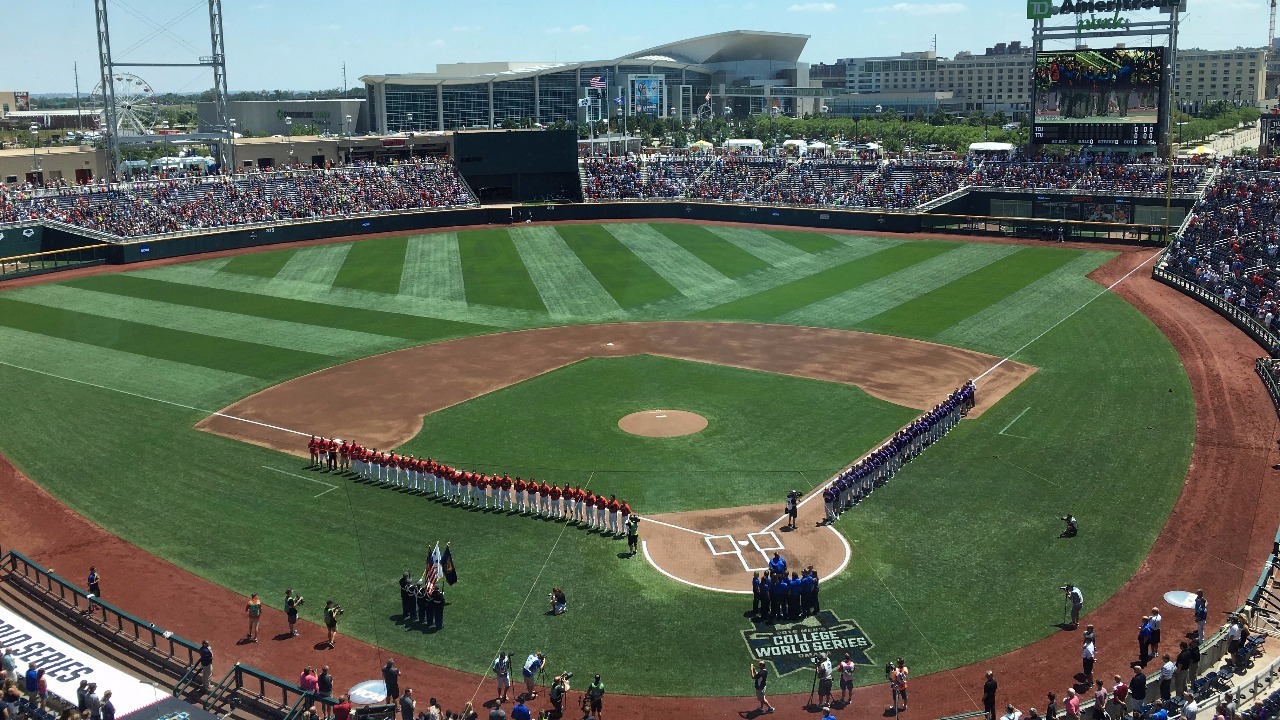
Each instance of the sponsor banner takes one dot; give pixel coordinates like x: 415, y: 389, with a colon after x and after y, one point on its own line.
x: 796, y: 645
x: 65, y: 666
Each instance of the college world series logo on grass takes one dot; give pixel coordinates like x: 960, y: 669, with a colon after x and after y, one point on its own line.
x: 793, y: 646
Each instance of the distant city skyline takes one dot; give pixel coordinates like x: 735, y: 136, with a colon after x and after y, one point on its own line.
x: 295, y: 45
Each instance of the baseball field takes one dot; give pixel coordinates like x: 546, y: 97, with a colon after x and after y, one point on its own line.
x: 113, y: 378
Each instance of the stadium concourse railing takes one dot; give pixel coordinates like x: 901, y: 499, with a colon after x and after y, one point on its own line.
x: 1238, y: 317
x: 243, y: 686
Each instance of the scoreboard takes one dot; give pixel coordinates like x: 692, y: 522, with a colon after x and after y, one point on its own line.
x: 1103, y: 134
x: 1104, y: 97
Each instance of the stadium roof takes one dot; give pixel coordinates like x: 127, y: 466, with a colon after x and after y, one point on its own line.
x: 732, y: 46
x: 694, y: 53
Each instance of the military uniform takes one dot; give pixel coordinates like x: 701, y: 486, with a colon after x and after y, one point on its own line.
x: 406, y: 597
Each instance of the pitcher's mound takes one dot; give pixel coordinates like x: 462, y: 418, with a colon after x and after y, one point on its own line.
x: 662, y: 423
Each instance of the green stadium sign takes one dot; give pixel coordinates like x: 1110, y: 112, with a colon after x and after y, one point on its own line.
x: 1044, y: 9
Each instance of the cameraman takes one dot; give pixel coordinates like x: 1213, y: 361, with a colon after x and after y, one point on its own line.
x: 332, y: 611
x: 1077, y: 603
x: 532, y: 666
x: 822, y: 668
x: 595, y: 693
x: 559, y: 688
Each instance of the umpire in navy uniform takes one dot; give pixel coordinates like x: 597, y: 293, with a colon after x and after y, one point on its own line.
x: 406, y: 597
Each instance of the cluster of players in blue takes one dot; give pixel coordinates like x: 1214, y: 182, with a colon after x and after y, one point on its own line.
x: 877, y: 468
x: 775, y: 596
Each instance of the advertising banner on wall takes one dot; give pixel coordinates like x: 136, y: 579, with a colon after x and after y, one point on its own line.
x: 646, y: 94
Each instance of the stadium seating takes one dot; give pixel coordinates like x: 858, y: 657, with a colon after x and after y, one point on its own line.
x: 139, y: 209
x: 1231, y: 241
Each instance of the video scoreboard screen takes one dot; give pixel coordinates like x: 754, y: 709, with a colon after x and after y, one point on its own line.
x: 1098, y: 97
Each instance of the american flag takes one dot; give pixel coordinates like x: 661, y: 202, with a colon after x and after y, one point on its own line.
x: 432, y: 574
x: 597, y: 83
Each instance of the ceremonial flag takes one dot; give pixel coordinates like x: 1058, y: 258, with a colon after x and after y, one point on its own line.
x: 708, y: 96
x: 450, y: 572
x: 433, y: 568
x: 584, y: 102
x: 597, y: 83
x: 617, y: 100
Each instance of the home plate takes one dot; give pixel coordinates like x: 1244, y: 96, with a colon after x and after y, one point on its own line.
x: 744, y: 543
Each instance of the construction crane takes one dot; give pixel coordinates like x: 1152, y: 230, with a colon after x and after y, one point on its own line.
x: 1271, y: 30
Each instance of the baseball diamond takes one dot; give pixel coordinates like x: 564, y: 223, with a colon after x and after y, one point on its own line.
x: 800, y: 368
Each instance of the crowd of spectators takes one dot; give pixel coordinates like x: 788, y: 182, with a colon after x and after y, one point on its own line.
x: 1230, y: 243
x: 1093, y: 175
x: 143, y: 208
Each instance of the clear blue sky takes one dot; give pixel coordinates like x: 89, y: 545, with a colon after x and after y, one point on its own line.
x: 301, y: 44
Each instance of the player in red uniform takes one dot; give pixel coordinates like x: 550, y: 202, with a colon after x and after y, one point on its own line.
x: 313, y: 447
x: 518, y: 486
x: 612, y: 508
x: 589, y: 508
x: 601, y: 504
x: 544, y: 493
x: 554, y: 493
x: 331, y: 448
x: 578, y: 495
x: 625, y: 509
x: 506, y: 492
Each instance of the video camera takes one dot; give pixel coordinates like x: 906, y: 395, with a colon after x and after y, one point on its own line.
x: 299, y: 601
x: 568, y: 675
x: 338, y: 610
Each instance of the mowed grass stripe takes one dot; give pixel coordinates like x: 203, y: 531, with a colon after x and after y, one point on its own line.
x: 374, y: 265
x: 315, y: 265
x: 1009, y: 324
x: 233, y: 326
x: 810, y: 242
x: 728, y: 259
x: 939, y: 309
x: 766, y: 247
x: 567, y: 287
x: 783, y: 299
x: 433, y: 268
x: 237, y: 356
x: 853, y: 306
x: 373, y: 322
x: 263, y: 264
x: 626, y: 277
x: 176, y: 382
x: 685, y: 271
x: 493, y: 272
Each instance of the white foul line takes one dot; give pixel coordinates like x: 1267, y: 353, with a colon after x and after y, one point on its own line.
x: 303, y: 477
x: 1070, y: 315
x: 1011, y: 422
x: 677, y: 527
x: 155, y: 399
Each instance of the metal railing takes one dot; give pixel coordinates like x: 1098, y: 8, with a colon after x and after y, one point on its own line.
x: 1263, y: 366
x: 175, y: 655
x: 52, y: 260
x: 1241, y: 318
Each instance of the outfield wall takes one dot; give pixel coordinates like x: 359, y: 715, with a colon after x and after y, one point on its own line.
x: 177, y: 245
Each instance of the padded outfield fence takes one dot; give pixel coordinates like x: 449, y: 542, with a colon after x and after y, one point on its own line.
x: 243, y: 686
x: 52, y: 261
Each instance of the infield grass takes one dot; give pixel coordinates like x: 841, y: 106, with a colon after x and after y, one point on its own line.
x: 956, y: 559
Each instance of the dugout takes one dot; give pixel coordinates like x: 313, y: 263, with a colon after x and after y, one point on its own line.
x: 519, y: 166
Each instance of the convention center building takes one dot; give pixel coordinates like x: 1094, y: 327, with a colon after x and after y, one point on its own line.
x: 736, y: 72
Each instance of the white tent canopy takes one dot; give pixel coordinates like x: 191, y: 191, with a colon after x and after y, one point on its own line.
x: 744, y: 144
x: 991, y: 147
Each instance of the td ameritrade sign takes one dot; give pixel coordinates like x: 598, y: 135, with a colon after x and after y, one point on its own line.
x: 1044, y: 9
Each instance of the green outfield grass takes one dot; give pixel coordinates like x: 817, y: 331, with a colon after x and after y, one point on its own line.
x: 956, y: 560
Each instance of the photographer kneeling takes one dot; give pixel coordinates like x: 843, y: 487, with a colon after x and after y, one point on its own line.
x: 557, y: 600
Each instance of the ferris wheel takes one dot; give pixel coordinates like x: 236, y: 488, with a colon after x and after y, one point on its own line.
x: 136, y: 107
x: 705, y: 113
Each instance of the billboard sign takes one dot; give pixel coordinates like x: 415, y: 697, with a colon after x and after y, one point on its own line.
x: 646, y: 94
x: 22, y: 101
x: 1099, y: 97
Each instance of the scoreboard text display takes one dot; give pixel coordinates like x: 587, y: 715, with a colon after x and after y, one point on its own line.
x: 1098, y: 97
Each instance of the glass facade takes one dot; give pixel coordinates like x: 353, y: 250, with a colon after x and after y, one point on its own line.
x: 558, y: 97
x: 465, y: 106
x: 416, y: 100
x: 512, y: 100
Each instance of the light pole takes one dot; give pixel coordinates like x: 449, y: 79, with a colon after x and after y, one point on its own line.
x: 35, y: 146
x: 288, y: 123
x: 231, y: 122
x: 409, y: 119
x: 346, y: 125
